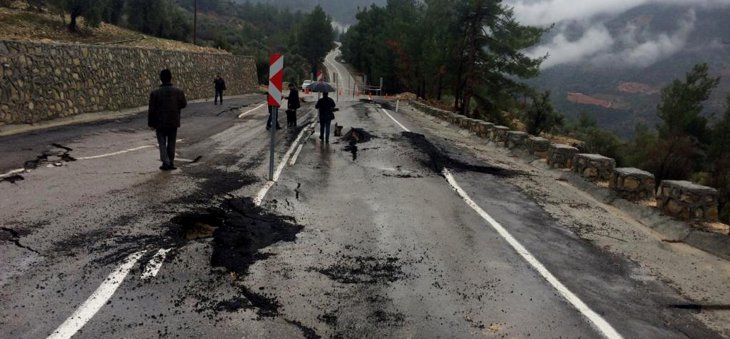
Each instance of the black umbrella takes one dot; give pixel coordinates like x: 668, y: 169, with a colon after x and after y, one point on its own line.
x: 321, y: 86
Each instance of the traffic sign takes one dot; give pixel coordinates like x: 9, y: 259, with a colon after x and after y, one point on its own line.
x: 276, y: 79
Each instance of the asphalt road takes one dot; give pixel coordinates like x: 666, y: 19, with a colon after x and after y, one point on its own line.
x: 388, y: 232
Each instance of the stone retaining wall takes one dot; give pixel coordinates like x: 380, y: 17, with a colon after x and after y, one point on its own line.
x: 44, y: 81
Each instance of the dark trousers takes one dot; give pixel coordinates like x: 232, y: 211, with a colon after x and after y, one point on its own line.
x: 166, y: 139
x: 268, y: 122
x: 324, y: 129
x: 291, y: 117
x: 218, y: 94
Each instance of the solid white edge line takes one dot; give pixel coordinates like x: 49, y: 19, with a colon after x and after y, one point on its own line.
x: 154, y: 265
x: 15, y: 171
x: 396, y: 121
x: 262, y: 193
x: 596, y: 320
x: 251, y: 110
x: 97, y: 300
x: 296, y: 155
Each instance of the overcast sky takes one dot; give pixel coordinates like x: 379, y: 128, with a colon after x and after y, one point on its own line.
x: 628, y: 47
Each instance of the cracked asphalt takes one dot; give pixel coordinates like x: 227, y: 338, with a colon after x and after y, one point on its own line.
x: 360, y: 238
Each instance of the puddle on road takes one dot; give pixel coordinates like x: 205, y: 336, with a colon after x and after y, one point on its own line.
x: 438, y: 160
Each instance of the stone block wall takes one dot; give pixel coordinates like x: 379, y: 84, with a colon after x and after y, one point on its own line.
x: 561, y: 156
x: 632, y: 184
x: 538, y: 146
x: 593, y: 166
x: 44, y: 81
x: 688, y: 201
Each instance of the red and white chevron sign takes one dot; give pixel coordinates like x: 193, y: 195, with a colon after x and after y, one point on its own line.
x: 276, y: 79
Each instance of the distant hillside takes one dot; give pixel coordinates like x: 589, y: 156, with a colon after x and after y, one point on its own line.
x: 341, y: 11
x: 620, y: 86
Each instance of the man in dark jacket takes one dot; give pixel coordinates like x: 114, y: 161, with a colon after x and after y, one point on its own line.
x: 292, y: 105
x: 326, y: 107
x: 164, y: 116
x: 220, y: 86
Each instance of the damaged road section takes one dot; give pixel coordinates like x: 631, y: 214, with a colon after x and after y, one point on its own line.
x: 246, y: 229
x: 354, y: 137
x: 11, y: 235
x: 438, y: 160
x: 239, y: 230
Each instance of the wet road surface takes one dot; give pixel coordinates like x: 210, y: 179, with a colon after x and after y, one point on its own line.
x: 361, y: 238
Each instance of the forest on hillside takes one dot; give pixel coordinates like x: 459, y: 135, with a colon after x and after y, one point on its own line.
x: 469, y: 56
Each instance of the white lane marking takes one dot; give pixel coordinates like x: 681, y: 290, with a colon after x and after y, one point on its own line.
x: 153, y: 267
x: 15, y: 171
x: 296, y: 155
x: 121, y: 152
x: 396, y: 121
x: 96, y: 301
x: 262, y: 193
x: 598, y: 322
x: 115, y: 153
x: 251, y: 110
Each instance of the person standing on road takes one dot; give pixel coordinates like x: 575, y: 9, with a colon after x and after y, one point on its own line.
x: 292, y: 105
x: 326, y: 107
x: 164, y: 116
x: 220, y: 86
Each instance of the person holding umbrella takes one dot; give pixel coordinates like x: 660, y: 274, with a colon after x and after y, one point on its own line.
x: 326, y: 107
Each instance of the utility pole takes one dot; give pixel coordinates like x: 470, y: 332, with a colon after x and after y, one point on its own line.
x: 195, y: 22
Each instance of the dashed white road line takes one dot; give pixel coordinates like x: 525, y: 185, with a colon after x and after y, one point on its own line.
x: 154, y: 265
x: 269, y: 184
x: 97, y: 300
x: 251, y: 110
x: 15, y: 171
x: 115, y: 153
x: 600, y: 324
x: 120, y: 152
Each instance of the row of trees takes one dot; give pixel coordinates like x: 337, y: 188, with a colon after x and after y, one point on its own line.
x: 469, y: 51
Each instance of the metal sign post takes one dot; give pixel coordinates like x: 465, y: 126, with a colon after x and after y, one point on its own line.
x: 276, y: 79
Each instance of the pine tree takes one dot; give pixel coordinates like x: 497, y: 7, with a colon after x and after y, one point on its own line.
x: 681, y: 104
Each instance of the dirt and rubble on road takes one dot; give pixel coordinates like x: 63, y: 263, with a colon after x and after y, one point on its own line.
x: 696, y: 275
